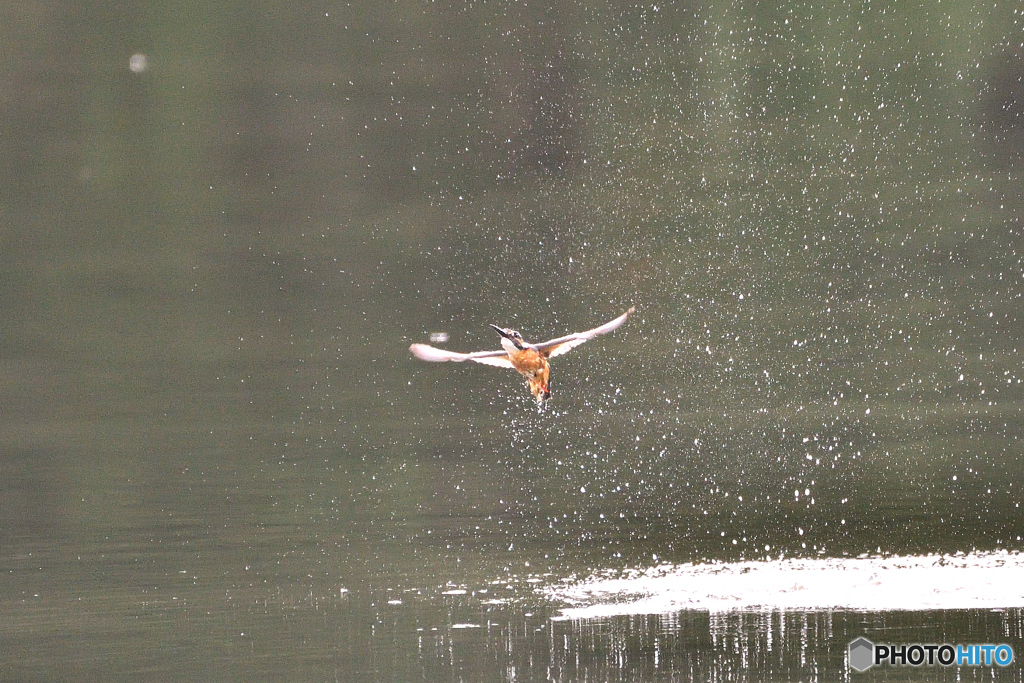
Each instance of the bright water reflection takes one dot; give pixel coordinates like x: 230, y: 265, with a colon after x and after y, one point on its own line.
x: 222, y: 228
x: 768, y: 645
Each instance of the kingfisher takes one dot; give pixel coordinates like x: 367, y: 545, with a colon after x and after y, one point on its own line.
x: 531, y: 360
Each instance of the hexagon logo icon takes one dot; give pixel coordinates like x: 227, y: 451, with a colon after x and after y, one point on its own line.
x: 862, y: 653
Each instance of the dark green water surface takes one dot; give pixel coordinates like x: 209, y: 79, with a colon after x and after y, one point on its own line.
x: 221, y: 226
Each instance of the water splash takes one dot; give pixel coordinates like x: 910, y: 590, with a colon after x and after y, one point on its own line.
x: 961, y: 581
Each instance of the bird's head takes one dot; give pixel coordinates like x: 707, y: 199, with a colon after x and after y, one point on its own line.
x: 512, y: 336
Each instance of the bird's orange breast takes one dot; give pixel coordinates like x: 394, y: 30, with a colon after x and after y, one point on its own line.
x: 528, y: 361
x: 533, y: 365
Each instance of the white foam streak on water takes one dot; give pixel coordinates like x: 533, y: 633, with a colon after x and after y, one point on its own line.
x: 986, y: 580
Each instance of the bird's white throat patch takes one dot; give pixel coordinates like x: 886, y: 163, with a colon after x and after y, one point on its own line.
x: 508, y: 345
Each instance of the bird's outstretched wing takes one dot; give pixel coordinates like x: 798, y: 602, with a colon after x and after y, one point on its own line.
x: 434, y: 355
x: 556, y: 347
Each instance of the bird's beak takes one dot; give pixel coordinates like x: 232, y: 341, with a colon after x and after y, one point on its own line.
x: 506, y: 334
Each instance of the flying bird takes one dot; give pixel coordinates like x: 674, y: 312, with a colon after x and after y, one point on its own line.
x: 531, y: 360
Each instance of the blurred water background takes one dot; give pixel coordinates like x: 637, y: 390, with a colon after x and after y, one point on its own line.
x: 221, y: 226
